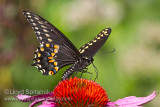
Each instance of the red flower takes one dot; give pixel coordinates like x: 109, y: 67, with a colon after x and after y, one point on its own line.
x: 78, y: 92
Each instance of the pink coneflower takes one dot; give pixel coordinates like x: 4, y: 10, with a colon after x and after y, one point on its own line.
x: 76, y: 92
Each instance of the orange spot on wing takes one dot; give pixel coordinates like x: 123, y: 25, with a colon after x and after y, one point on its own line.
x: 50, y: 57
x: 51, y: 72
x: 51, y: 60
x: 56, y: 46
x: 55, y: 51
x: 42, y: 49
x: 47, y: 45
x: 38, y: 60
x: 56, y: 68
x: 55, y: 63
x: 39, y: 54
x: 52, y: 54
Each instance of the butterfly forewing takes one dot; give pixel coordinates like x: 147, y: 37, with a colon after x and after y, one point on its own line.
x: 55, y: 50
x: 47, y: 32
x: 89, y: 49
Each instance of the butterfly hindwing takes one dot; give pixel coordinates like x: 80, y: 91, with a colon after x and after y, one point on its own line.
x: 89, y: 49
x: 49, y: 58
x: 55, y: 50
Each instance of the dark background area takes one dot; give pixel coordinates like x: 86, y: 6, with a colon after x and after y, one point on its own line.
x: 132, y: 70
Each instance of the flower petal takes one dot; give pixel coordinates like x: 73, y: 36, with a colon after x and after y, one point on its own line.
x: 22, y: 97
x: 47, y: 104
x: 49, y: 98
x: 36, y: 102
x: 132, y: 101
x: 27, y: 98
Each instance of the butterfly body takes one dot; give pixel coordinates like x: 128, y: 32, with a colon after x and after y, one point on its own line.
x: 56, y: 50
x: 79, y: 65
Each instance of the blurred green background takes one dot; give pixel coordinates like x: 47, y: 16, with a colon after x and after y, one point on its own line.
x: 132, y: 70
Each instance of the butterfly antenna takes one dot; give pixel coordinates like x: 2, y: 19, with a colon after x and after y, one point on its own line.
x: 109, y: 52
x: 113, y: 50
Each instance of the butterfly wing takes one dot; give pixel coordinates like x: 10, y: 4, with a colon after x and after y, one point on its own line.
x: 89, y: 49
x: 55, y: 50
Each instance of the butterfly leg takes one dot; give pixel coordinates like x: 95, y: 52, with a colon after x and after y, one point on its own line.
x: 85, y: 71
x: 90, y: 73
x: 81, y: 74
x: 75, y: 73
x: 96, y: 70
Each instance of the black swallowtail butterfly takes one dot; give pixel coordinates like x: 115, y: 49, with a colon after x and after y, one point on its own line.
x: 56, y: 50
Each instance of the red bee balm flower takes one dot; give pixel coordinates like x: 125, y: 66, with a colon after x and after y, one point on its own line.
x: 76, y: 92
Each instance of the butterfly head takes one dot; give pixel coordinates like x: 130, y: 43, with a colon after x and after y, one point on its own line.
x: 88, y: 60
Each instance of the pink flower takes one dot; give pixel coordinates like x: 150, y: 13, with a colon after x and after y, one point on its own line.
x: 78, y: 92
x: 46, y: 99
x: 132, y: 101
